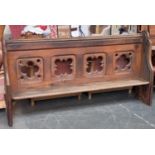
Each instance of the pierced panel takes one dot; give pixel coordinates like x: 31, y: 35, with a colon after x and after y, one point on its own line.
x: 94, y: 65
x: 123, y: 61
x: 63, y: 67
x: 30, y: 70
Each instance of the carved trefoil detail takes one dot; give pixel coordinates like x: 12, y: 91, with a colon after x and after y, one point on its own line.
x: 94, y: 65
x: 63, y: 67
x: 30, y: 70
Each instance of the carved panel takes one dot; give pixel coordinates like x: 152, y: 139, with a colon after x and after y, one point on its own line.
x: 94, y: 65
x: 123, y: 61
x: 63, y: 67
x: 30, y: 70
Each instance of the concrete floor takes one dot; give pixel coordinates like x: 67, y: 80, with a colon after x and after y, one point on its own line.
x: 105, y: 110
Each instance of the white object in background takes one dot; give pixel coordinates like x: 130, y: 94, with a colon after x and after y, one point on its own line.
x: 80, y: 30
x: 75, y: 31
x: 7, y: 32
x: 86, y: 30
x: 106, y: 31
x: 33, y: 29
x: 133, y: 29
x: 125, y: 33
x: 115, y: 29
x: 36, y: 30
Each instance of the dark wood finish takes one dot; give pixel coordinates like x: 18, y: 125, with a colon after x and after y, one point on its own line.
x: 20, y: 45
x: 145, y: 92
x: 62, y: 67
x: 151, y: 30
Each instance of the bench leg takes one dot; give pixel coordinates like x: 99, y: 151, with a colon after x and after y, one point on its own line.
x: 79, y: 96
x: 130, y: 91
x: 145, y: 93
x: 14, y: 103
x: 32, y: 102
x: 89, y: 95
x: 9, y: 109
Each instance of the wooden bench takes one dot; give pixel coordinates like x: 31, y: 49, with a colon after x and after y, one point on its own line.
x: 65, y: 67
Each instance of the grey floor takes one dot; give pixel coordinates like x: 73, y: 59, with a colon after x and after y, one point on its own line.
x: 105, y: 110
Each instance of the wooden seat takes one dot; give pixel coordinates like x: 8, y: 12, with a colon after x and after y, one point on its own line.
x: 63, y: 90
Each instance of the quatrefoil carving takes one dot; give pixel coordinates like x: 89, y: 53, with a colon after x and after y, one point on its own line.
x: 94, y: 64
x: 123, y: 61
x: 30, y: 69
x: 63, y: 67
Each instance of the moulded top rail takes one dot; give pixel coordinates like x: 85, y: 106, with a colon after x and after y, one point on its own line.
x: 31, y: 44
